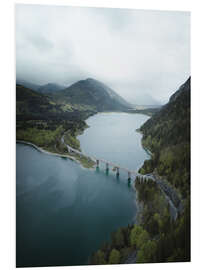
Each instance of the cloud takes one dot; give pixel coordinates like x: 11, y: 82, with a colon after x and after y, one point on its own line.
x: 133, y: 51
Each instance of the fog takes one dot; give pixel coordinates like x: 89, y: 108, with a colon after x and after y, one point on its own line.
x: 142, y: 55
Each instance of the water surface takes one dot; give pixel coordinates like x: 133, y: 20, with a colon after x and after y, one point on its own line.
x: 113, y: 137
x: 65, y: 212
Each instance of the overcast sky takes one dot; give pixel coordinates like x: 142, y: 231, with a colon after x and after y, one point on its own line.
x: 142, y: 55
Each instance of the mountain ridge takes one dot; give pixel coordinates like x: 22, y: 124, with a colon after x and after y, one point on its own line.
x: 91, y: 92
x: 50, y: 88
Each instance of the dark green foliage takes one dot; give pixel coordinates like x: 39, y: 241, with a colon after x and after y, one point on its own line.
x: 175, y: 245
x: 138, y: 236
x: 167, y: 135
x: 99, y: 258
x: 31, y: 105
x: 118, y: 249
x: 118, y: 239
x: 155, y: 215
x: 114, y: 257
x: 44, y: 119
x: 39, y: 116
x: 41, y: 121
x: 158, y: 238
x: 147, y: 252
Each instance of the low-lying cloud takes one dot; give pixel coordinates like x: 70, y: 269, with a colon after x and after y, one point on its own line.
x: 137, y: 53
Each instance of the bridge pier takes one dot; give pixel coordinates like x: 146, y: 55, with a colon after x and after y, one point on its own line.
x: 129, y: 175
x: 107, y: 166
x: 117, y: 172
x: 97, y: 163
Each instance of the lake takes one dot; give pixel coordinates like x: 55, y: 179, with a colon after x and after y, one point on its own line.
x: 113, y: 137
x: 65, y: 212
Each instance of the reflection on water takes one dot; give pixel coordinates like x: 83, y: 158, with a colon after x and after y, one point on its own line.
x: 65, y: 212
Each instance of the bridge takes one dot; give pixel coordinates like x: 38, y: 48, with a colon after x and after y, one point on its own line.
x: 116, y: 167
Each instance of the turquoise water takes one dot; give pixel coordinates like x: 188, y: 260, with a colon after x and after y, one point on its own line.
x: 65, y: 212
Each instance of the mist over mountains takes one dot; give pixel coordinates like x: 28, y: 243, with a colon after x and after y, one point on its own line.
x: 132, y: 51
x: 142, y: 98
x: 44, y: 89
x: 84, y: 95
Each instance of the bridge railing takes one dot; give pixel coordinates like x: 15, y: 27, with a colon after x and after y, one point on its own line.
x: 115, y: 166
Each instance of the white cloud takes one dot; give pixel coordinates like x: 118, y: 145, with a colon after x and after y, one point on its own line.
x: 133, y: 51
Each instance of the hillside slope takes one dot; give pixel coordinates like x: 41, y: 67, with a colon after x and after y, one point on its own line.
x: 27, y: 84
x: 50, y: 88
x: 29, y: 102
x: 167, y: 135
x: 32, y: 105
x: 156, y: 236
x: 40, y: 121
x: 93, y: 94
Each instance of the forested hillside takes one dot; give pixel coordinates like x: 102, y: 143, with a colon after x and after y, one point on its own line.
x: 45, y: 115
x: 167, y: 135
x: 92, y: 94
x: 157, y: 237
x: 41, y: 121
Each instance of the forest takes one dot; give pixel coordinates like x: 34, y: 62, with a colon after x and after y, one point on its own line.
x: 43, y: 122
x: 157, y: 237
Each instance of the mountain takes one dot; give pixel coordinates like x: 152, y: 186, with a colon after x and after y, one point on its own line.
x: 50, y: 88
x: 91, y: 93
x: 83, y: 95
x: 31, y: 103
x: 44, y: 89
x: 183, y: 88
x: 167, y: 135
x: 27, y: 84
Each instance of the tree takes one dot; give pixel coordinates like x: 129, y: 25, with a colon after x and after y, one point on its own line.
x: 142, y: 238
x: 146, y: 252
x: 135, y: 232
x: 138, y: 236
x: 155, y: 224
x: 114, y: 257
x: 99, y: 257
x: 118, y: 239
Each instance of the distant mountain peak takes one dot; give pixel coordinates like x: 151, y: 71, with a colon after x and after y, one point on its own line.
x: 90, y: 92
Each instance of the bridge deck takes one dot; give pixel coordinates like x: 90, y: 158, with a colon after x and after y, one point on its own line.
x: 101, y: 160
x: 104, y: 161
x: 117, y: 166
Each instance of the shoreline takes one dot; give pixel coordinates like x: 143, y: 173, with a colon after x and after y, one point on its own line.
x: 145, y: 148
x: 164, y: 186
x: 138, y: 205
x: 41, y: 150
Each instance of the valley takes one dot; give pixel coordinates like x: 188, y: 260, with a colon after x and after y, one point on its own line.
x: 60, y: 119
